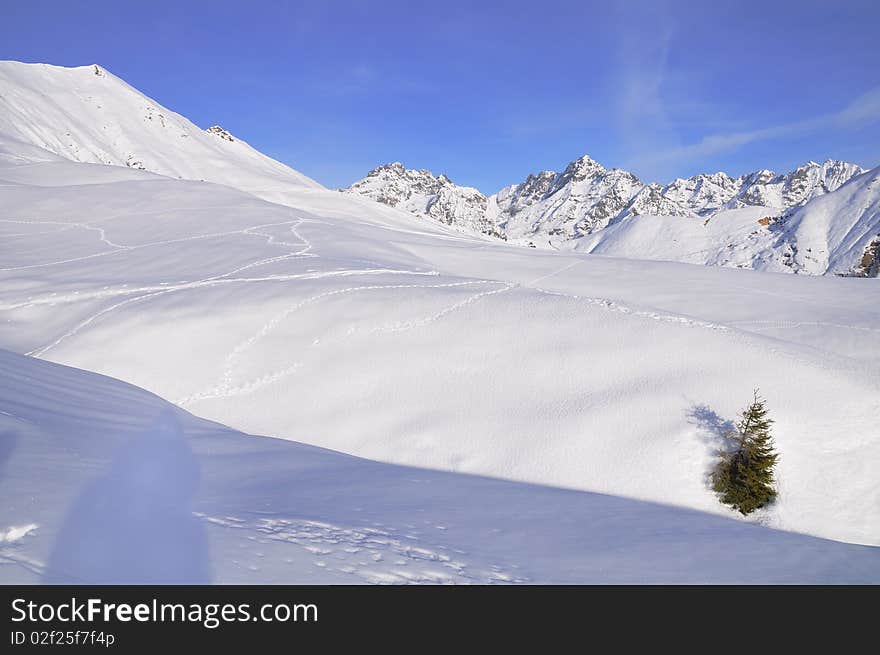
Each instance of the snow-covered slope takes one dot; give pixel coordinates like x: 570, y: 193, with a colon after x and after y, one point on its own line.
x: 87, y: 114
x: 767, y: 189
x: 103, y: 482
x: 342, y: 323
x: 839, y: 232
x: 835, y: 233
x: 553, y: 209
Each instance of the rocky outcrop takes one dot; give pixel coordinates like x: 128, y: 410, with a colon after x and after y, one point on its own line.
x: 425, y: 194
x: 216, y: 130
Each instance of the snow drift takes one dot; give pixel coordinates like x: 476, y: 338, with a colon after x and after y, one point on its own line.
x: 105, y: 483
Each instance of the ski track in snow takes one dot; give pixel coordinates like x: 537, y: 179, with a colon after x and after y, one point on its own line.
x: 615, y: 306
x: 377, y: 555
x: 271, y: 239
x: 301, y: 247
x: 224, y: 278
x: 784, y: 325
x: 557, y: 272
x: 226, y: 388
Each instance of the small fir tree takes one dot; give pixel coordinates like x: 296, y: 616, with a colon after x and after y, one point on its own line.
x: 744, y: 476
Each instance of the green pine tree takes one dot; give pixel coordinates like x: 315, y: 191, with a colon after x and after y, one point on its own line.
x: 744, y: 476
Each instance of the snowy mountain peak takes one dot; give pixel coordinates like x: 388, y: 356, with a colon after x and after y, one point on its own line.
x: 422, y: 193
x: 394, y: 167
x: 581, y: 169
x: 407, y: 179
x: 762, y: 176
x: 87, y: 114
x: 394, y: 182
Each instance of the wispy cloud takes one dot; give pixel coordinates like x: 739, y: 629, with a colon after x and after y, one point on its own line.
x: 861, y: 111
x: 643, y: 52
x: 668, y: 116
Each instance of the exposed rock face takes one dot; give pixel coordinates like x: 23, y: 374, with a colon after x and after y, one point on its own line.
x: 869, y: 266
x: 704, y: 193
x: 219, y: 131
x: 651, y: 201
x: 558, y: 206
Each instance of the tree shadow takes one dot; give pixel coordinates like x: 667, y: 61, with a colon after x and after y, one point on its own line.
x: 134, y: 524
x: 714, y: 431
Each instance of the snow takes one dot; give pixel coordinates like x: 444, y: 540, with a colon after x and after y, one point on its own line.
x: 425, y: 194
x: 594, y: 388
x: 834, y: 232
x: 117, y: 486
x: 106, y: 121
x: 593, y: 209
x: 406, y: 342
x: 829, y: 235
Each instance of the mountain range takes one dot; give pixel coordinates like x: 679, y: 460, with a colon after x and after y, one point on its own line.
x: 594, y: 209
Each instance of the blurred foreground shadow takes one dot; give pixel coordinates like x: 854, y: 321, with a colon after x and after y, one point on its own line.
x: 8, y: 441
x: 134, y: 524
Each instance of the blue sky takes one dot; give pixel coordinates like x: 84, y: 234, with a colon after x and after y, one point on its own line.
x: 490, y: 91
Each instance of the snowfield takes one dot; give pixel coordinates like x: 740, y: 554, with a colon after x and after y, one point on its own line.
x: 103, y: 482
x: 598, y: 388
x: 410, y: 344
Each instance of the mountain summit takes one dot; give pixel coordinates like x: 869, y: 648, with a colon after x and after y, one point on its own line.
x: 423, y: 193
